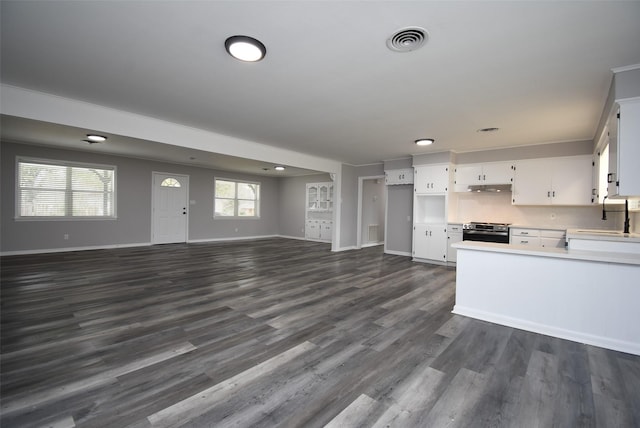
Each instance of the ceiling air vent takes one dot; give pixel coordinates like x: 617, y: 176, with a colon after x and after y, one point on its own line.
x: 407, y: 39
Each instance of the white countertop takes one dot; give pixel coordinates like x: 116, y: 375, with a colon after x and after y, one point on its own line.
x: 602, y: 235
x: 561, y: 253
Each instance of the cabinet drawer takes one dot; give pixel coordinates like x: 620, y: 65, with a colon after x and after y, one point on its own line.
x: 534, y: 233
x: 557, y: 234
x: 533, y: 241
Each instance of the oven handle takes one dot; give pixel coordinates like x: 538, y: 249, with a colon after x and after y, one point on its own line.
x: 484, y: 232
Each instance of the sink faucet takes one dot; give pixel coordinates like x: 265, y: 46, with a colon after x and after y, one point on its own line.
x: 626, y: 216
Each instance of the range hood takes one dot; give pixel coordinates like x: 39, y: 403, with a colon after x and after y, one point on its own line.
x: 490, y: 188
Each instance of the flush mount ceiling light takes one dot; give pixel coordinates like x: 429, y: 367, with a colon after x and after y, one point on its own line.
x: 407, y: 39
x: 279, y: 168
x: 93, y: 138
x: 245, y: 48
x: 425, y: 141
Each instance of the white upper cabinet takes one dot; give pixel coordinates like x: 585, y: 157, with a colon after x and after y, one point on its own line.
x: 398, y: 176
x: 624, y: 149
x: 431, y: 179
x: 485, y: 173
x: 553, y: 181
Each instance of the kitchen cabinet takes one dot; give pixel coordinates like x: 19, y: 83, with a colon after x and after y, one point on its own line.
x: 454, y: 234
x: 548, y: 238
x: 485, y: 173
x: 624, y: 149
x: 431, y: 179
x: 430, y: 242
x: 553, y: 181
x: 319, y: 211
x: 398, y: 176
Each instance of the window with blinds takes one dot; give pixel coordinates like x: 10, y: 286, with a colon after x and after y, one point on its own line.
x: 236, y: 199
x: 56, y: 189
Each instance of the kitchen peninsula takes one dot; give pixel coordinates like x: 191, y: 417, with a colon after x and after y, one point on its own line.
x: 582, y: 295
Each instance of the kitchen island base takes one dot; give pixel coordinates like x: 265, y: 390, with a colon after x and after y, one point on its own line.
x: 587, y: 297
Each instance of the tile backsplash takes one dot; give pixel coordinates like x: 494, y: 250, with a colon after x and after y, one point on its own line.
x: 493, y: 207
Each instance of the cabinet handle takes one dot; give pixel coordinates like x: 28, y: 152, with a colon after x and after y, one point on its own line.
x: 610, y: 177
x: 484, y: 177
x: 479, y: 177
x: 524, y: 242
x: 548, y: 194
x: 524, y: 233
x: 553, y: 193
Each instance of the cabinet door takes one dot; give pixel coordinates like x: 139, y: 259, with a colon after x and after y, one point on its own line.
x: 313, y: 229
x: 532, y: 182
x: 420, y: 241
x: 466, y: 175
x: 571, y: 181
x: 312, y: 197
x: 326, y: 230
x: 497, y: 173
x: 629, y: 148
x: 452, y: 238
x: 431, y: 179
x: 437, y: 242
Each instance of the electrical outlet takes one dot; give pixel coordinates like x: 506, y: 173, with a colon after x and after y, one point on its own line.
x: 66, y: 236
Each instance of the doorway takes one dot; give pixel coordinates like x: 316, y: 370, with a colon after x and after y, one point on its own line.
x: 371, y: 211
x: 170, y: 203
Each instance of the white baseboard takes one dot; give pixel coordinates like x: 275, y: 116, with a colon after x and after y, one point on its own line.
x: 239, y: 238
x: 337, y: 250
x: 575, y: 336
x: 371, y: 244
x: 398, y: 253
x: 299, y: 238
x: 69, y: 249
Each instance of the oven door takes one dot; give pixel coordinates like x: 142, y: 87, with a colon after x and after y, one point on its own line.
x: 485, y: 236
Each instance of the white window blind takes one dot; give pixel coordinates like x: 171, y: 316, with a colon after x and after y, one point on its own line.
x: 64, y: 189
x: 236, y: 199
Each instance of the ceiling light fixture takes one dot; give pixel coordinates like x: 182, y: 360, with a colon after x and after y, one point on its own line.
x: 279, y: 168
x: 245, y: 48
x: 425, y: 141
x: 93, y: 138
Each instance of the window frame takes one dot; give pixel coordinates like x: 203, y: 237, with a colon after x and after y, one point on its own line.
x: 236, y: 199
x: 68, y: 210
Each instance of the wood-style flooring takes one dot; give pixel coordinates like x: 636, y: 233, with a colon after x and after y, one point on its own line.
x: 281, y: 332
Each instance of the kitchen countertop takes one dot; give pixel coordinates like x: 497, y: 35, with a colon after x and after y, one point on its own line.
x: 560, y: 253
x: 603, y: 235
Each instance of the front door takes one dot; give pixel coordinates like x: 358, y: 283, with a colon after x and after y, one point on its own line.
x: 169, y: 222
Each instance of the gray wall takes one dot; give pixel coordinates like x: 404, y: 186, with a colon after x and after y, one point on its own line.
x: 133, y: 225
x: 349, y: 206
x: 292, y: 200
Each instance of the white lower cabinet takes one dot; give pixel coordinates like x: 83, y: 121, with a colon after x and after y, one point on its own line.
x: 454, y: 234
x: 319, y: 229
x: 430, y: 242
x: 548, y: 238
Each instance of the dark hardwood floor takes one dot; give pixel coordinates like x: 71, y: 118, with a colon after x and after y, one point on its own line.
x: 281, y: 332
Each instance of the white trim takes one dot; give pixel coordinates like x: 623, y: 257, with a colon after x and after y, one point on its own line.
x: 359, y: 214
x: 298, y: 238
x: 398, y: 253
x: 625, y: 68
x: 239, y: 238
x: 575, y: 336
x: 337, y: 250
x: 69, y: 249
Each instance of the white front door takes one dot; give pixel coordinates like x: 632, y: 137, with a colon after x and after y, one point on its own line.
x: 170, y: 214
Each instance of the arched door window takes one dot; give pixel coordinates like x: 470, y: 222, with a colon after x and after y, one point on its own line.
x: 170, y: 182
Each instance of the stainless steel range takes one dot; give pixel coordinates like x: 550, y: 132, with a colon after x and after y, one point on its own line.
x: 486, y: 232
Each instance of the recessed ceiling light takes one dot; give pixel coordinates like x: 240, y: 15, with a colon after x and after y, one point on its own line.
x: 96, y: 138
x: 425, y: 141
x: 245, y: 48
x: 279, y: 168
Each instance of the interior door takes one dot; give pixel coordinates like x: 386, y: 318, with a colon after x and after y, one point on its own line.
x: 170, y: 208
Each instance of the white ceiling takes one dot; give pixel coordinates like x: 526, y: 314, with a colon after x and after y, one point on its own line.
x: 329, y: 86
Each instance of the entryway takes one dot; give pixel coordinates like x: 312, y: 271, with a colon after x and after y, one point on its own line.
x: 371, y: 211
x: 170, y: 203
